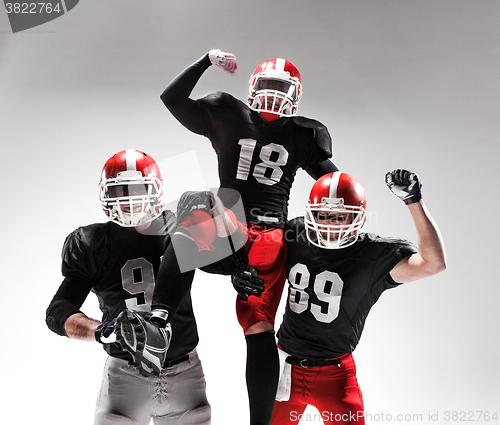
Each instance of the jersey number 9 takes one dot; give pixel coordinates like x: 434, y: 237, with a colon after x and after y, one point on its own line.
x: 138, y: 280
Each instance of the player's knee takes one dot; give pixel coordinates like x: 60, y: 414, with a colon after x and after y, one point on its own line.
x: 259, y: 327
x: 252, y: 317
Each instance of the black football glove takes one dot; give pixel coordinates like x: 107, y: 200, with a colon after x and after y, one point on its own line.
x: 247, y: 283
x: 191, y: 201
x: 105, y: 332
x: 405, y: 185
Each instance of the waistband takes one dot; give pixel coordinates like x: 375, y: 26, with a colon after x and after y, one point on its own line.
x: 298, y: 361
x: 176, y: 361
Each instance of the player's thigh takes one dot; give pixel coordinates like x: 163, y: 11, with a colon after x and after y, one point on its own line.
x: 345, y: 408
x: 265, y: 247
x: 185, y: 392
x: 267, y: 254
x: 124, y: 396
x: 287, y: 412
x: 337, y: 395
x: 199, y: 415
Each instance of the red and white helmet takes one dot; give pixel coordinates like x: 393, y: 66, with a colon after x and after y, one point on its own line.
x: 131, y: 189
x: 275, y: 89
x: 335, y: 195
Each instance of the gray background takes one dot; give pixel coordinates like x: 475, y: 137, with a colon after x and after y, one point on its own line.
x: 410, y: 83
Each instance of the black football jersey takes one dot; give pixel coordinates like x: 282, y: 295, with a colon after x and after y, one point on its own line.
x: 331, y: 291
x: 257, y: 158
x: 120, y: 266
x: 260, y: 159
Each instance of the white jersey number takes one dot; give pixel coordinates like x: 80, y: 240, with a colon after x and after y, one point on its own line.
x: 328, y: 289
x: 138, y: 280
x: 259, y: 171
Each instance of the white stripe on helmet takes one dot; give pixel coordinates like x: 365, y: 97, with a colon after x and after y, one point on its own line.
x: 280, y: 64
x: 130, y: 158
x: 334, y: 185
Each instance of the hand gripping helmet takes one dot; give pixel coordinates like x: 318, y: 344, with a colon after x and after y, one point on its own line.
x: 131, y: 190
x: 336, y: 195
x: 275, y: 89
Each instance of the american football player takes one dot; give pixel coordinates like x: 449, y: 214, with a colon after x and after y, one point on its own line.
x: 335, y: 275
x: 119, y: 261
x: 260, y: 145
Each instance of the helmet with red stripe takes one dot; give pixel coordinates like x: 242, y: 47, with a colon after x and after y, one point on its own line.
x: 336, y: 211
x: 275, y: 89
x: 131, y: 189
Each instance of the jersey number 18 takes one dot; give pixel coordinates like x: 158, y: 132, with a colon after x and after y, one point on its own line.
x: 260, y: 169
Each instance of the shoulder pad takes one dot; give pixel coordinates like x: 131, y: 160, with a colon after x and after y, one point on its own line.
x: 222, y: 98
x: 81, y: 248
x: 295, y: 231
x: 376, y: 245
x: 307, y: 122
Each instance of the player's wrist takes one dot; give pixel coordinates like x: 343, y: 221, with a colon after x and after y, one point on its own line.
x: 216, y: 57
x: 105, y: 332
x: 97, y: 332
x: 416, y: 205
x: 414, y: 199
x: 159, y: 317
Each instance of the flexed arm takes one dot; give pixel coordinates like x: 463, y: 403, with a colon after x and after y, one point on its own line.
x: 176, y: 96
x: 63, y: 316
x: 431, y: 258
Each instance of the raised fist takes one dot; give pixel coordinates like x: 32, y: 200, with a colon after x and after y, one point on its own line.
x: 405, y: 185
x: 227, y: 61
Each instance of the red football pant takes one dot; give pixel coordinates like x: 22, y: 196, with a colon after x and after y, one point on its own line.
x: 333, y: 390
x: 267, y: 253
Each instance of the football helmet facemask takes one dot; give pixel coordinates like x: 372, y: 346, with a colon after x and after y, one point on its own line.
x: 131, y: 189
x: 275, y: 89
x: 336, y: 211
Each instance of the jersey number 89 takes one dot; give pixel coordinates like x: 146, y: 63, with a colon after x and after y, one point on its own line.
x: 328, y: 289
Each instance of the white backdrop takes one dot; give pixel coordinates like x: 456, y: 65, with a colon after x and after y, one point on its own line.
x: 409, y: 83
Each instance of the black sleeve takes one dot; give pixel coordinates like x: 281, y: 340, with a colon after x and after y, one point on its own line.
x: 66, y: 302
x: 176, y: 97
x: 234, y: 263
x: 173, y: 285
x: 318, y: 169
x: 321, y: 145
x: 390, y: 252
x: 80, y: 268
x: 323, y: 141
